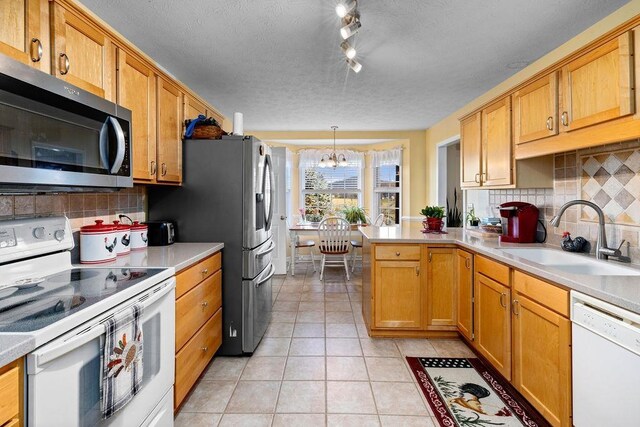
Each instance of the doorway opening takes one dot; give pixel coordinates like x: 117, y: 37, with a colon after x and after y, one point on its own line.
x: 449, y: 192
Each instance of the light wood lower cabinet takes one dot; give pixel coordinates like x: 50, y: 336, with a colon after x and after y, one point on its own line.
x: 542, y: 347
x: 464, y: 269
x: 412, y: 290
x: 198, y: 322
x: 441, y: 288
x: 492, y: 322
x: 11, y: 393
x: 398, y: 295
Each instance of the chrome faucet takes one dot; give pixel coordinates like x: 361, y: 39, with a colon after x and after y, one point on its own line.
x: 602, y: 251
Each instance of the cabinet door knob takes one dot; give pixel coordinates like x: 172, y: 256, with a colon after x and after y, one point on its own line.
x: 163, y: 168
x: 36, y: 45
x: 417, y: 270
x: 153, y: 167
x: 205, y: 348
x: 565, y: 118
x: 550, y: 123
x: 467, y: 263
x: 205, y: 304
x: 64, y: 64
x: 397, y: 253
x: 205, y: 271
x: 430, y: 256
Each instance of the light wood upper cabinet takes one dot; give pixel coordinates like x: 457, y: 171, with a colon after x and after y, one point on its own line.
x: 170, y: 109
x: 470, y: 151
x: 535, y: 110
x: 398, y: 295
x: 464, y: 270
x: 497, y: 157
x: 441, y: 287
x: 137, y: 92
x: 22, y: 37
x: 82, y: 54
x: 598, y: 86
x: 492, y: 323
x: 193, y: 108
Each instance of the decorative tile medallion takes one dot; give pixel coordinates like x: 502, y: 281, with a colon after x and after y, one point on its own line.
x: 612, y: 181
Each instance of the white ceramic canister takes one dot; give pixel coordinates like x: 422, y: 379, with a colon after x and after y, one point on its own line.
x: 138, y: 236
x: 124, y: 238
x: 98, y: 243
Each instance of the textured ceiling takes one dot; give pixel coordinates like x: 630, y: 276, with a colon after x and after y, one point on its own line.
x: 279, y: 63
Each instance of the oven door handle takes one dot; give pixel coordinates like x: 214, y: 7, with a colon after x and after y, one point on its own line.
x: 41, y: 357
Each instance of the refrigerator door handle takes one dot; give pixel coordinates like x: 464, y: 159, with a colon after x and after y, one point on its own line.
x: 268, y: 169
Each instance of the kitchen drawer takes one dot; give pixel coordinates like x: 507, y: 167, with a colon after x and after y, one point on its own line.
x: 492, y: 270
x: 557, y: 299
x: 190, y: 277
x: 195, y: 356
x: 397, y: 252
x: 195, y: 307
x: 9, y: 394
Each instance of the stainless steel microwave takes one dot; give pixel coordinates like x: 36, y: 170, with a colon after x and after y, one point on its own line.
x: 57, y: 137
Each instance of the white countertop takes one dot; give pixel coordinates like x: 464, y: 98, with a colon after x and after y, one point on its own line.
x: 623, y: 291
x: 178, y: 256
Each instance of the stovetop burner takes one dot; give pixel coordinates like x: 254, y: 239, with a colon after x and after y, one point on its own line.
x: 33, y: 303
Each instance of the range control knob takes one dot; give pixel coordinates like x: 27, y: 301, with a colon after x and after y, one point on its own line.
x: 59, y: 235
x: 38, y: 232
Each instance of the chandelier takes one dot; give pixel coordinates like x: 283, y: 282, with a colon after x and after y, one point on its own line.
x: 333, y: 160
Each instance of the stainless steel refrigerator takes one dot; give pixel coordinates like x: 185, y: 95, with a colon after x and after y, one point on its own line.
x: 227, y: 196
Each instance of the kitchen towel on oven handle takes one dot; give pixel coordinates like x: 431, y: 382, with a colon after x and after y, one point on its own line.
x: 122, y: 364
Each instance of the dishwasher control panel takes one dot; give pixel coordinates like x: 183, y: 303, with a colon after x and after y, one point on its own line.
x: 611, y: 322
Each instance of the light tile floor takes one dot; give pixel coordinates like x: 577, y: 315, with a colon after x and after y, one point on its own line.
x: 316, y: 366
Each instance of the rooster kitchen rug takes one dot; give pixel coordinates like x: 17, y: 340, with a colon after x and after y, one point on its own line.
x: 463, y: 392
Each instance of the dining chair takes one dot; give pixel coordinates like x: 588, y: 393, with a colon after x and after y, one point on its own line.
x: 333, y: 233
x: 299, y: 244
x: 357, y: 244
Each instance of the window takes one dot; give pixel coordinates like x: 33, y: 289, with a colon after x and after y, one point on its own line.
x: 329, y: 190
x: 387, y: 170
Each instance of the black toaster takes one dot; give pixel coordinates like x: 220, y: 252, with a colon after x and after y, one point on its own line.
x: 161, y: 233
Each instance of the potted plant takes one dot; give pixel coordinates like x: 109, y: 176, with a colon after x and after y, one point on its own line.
x: 434, y: 216
x: 355, y: 215
x: 472, y: 219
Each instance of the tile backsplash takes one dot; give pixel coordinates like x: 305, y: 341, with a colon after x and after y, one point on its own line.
x: 81, y: 208
x: 607, y: 175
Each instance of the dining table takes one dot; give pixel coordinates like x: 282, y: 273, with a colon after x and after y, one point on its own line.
x: 296, y: 230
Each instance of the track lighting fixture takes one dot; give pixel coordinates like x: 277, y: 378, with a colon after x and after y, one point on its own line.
x: 348, y: 50
x: 355, y: 65
x: 344, y: 7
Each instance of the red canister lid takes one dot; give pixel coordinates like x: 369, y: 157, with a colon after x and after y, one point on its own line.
x: 137, y: 226
x: 121, y: 226
x: 98, y: 227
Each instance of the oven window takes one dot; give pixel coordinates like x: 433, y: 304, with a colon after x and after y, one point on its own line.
x: 58, y: 140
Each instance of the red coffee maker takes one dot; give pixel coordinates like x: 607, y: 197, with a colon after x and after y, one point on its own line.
x: 519, y: 222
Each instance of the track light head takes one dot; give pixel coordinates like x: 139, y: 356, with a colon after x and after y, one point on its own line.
x: 350, y: 29
x: 344, y: 7
x: 355, y: 65
x: 348, y: 50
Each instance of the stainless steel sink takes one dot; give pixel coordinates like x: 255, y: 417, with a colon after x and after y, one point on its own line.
x: 571, y: 263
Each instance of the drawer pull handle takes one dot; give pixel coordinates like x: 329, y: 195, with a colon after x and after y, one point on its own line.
x: 477, y: 179
x: 417, y: 271
x: 430, y: 256
x: 503, y: 302
x: 397, y: 253
x: 204, y: 304
x: 205, y: 271
x: 205, y: 349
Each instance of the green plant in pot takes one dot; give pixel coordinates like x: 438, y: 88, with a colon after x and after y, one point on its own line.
x: 434, y: 215
x: 354, y: 215
x: 472, y: 219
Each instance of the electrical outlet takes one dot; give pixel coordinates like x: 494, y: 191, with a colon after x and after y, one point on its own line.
x: 469, y: 207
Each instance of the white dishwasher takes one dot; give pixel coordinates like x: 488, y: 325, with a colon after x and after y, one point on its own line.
x: 606, y: 363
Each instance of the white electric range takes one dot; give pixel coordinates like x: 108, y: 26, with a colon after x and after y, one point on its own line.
x: 63, y: 310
